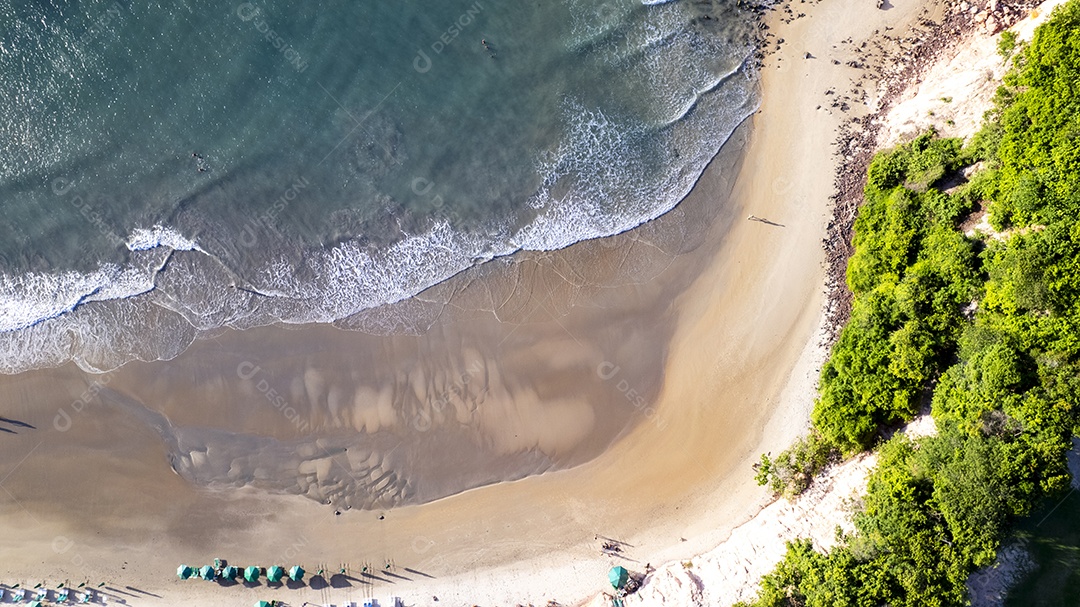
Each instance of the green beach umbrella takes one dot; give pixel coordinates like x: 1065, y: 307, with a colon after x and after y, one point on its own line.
x: 35, y: 604
x: 262, y: 604
x: 296, y: 573
x: 229, y: 573
x: 275, y: 573
x: 207, y: 573
x: 184, y: 572
x: 251, y: 574
x: 618, y: 576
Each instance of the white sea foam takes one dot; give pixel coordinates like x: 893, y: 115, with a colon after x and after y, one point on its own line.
x: 142, y: 239
x: 608, y: 174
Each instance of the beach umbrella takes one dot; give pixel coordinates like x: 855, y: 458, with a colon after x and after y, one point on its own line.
x: 296, y: 573
x: 229, y: 573
x: 207, y: 573
x: 251, y: 574
x: 262, y: 604
x: 35, y: 604
x: 618, y: 576
x: 275, y: 573
x: 184, y: 572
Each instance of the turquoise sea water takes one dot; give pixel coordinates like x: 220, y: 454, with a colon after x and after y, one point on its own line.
x: 172, y: 168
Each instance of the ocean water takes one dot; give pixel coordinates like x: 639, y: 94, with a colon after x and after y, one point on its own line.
x: 169, y: 169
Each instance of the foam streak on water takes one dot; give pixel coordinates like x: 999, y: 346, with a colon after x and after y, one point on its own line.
x: 173, y: 172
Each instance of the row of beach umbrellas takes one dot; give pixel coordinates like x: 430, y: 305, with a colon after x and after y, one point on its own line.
x: 250, y: 574
x: 40, y: 592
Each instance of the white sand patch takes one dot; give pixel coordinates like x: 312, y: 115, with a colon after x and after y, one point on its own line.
x: 956, y: 92
x: 989, y: 587
x: 732, y: 571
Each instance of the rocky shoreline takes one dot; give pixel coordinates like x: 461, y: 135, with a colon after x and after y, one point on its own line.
x: 898, y: 69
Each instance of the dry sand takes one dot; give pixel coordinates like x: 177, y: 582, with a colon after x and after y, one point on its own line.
x: 967, y: 74
x: 643, y: 373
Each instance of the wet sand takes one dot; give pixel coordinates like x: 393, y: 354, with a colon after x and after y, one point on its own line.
x: 531, y: 364
x: 626, y: 383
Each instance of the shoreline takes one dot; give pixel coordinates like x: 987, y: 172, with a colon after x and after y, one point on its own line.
x: 745, y: 344
x: 440, y: 538
x: 737, y: 331
x: 952, y: 53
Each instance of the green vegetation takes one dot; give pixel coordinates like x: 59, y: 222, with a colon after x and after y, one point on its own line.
x: 790, y: 473
x: 1007, y: 43
x: 985, y: 331
x: 911, y: 273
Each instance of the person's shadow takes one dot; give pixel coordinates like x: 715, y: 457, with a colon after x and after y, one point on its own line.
x: 765, y: 221
x: 14, y: 422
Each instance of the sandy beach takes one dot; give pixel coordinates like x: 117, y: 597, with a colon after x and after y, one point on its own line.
x: 627, y: 384
x: 966, y: 72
